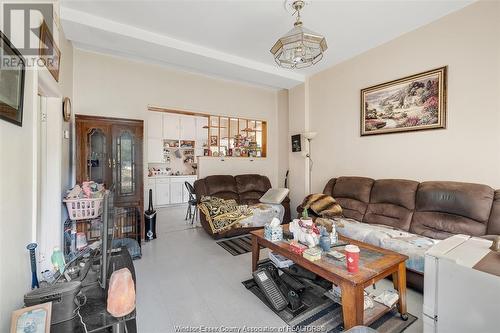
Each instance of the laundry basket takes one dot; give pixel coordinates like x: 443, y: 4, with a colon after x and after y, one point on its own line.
x: 81, y: 209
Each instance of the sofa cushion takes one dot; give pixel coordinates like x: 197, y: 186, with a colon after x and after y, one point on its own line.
x: 251, y: 188
x: 352, y: 194
x: 391, y: 203
x: 221, y: 186
x: 447, y: 208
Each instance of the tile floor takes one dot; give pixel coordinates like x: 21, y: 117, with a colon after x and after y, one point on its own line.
x: 185, y: 279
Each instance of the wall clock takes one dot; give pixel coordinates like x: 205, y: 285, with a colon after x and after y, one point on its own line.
x: 67, y: 109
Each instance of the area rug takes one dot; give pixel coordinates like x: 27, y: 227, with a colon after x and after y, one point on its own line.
x: 237, y: 245
x: 320, y: 312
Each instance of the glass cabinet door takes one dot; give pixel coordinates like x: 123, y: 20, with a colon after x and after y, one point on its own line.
x: 127, y: 163
x: 97, y: 156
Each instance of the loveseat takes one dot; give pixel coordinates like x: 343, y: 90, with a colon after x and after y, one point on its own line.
x: 433, y: 209
x: 245, y: 189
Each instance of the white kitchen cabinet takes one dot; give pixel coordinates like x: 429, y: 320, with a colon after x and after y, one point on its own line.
x: 187, y: 128
x: 170, y: 126
x: 162, y: 192
x: 155, y: 150
x: 201, y: 133
x: 176, y: 191
x: 168, y: 190
x: 155, y: 125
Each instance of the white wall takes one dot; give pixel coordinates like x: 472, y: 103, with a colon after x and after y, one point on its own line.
x: 298, y: 124
x: 467, y: 41
x: 115, y: 87
x: 18, y: 186
x: 17, y: 168
x: 283, y: 138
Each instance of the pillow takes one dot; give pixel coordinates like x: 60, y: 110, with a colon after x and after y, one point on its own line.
x: 274, y: 196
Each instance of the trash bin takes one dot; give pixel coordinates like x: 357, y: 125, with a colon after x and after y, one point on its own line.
x: 150, y: 220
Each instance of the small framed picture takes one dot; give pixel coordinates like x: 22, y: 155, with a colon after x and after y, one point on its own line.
x: 49, y: 52
x: 296, y: 143
x: 33, y: 319
x: 213, y: 140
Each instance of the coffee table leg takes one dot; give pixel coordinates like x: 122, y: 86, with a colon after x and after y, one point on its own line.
x: 352, y: 305
x: 255, y: 253
x: 399, y: 281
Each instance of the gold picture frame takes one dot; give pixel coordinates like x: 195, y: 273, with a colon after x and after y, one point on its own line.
x: 49, y: 52
x: 413, y: 103
x: 34, y: 319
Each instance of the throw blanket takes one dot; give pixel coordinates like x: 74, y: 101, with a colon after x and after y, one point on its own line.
x: 222, y: 214
x: 322, y: 205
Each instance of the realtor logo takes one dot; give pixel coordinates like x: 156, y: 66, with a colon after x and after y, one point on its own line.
x: 21, y: 24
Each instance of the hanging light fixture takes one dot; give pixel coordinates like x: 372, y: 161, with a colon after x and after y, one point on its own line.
x: 300, y: 47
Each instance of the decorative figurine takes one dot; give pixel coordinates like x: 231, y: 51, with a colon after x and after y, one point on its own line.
x: 324, y: 240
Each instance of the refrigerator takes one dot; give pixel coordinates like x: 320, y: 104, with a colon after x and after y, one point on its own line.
x: 459, y: 297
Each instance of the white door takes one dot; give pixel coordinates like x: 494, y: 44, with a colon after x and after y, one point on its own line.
x: 188, y: 128
x: 170, y: 126
x: 155, y: 125
x: 162, y: 192
x: 155, y: 150
x: 49, y: 228
x: 176, y: 191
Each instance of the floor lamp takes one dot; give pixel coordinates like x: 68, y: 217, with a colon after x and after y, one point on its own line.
x: 309, y: 136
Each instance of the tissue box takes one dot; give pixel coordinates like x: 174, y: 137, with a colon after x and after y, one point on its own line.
x: 273, y: 234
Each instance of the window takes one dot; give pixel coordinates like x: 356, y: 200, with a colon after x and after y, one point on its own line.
x: 236, y: 137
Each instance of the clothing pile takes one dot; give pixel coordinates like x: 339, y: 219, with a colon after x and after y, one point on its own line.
x: 88, y: 190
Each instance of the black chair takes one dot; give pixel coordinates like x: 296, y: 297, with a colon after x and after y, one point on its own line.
x: 191, y: 203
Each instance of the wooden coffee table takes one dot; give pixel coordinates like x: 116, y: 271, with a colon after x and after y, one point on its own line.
x: 375, y: 264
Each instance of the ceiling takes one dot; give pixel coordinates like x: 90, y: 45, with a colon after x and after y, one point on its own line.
x: 232, y: 38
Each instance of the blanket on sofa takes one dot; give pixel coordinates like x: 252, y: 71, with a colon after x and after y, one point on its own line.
x: 412, y: 245
x: 322, y: 205
x: 223, y: 215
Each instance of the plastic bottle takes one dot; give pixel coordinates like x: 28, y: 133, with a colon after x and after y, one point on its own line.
x: 57, y: 259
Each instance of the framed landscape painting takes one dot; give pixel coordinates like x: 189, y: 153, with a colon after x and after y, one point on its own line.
x: 416, y: 102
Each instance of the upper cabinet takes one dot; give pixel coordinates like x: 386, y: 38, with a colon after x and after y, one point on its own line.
x: 171, y: 126
x: 155, y: 125
x: 187, y: 128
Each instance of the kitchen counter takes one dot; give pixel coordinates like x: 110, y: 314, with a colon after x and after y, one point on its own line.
x: 169, y: 176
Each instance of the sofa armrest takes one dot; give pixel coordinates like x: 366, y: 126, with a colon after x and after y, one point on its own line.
x: 489, y: 237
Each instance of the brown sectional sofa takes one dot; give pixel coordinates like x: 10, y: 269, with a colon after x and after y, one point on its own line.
x: 435, y: 209
x: 245, y: 189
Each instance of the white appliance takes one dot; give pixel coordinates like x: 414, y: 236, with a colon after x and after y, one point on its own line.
x: 457, y: 297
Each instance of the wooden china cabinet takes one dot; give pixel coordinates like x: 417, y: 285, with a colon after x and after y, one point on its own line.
x: 110, y: 151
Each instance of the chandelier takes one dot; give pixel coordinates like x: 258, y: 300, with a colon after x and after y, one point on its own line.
x: 300, y: 47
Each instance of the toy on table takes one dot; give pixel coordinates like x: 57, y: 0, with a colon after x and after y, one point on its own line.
x: 304, y: 230
x: 324, y: 240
